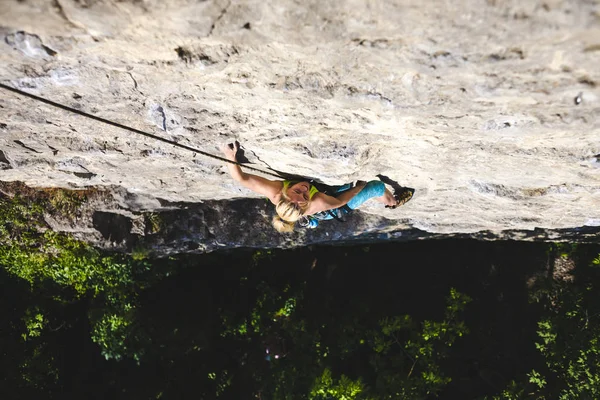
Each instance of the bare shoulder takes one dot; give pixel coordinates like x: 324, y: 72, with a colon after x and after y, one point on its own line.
x: 272, y: 189
x: 276, y: 198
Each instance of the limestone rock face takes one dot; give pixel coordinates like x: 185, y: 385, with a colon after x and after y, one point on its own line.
x: 489, y: 110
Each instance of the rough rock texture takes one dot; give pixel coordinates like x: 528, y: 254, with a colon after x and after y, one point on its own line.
x: 490, y: 110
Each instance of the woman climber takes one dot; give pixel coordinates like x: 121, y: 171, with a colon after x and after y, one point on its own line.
x: 300, y: 201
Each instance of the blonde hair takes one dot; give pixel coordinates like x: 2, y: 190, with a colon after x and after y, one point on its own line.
x: 288, y: 213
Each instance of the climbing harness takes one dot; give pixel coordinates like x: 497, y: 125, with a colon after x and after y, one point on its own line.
x: 312, y: 221
x: 150, y: 135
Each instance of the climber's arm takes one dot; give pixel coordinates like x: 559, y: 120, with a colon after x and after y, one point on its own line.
x: 322, y: 202
x: 258, y: 184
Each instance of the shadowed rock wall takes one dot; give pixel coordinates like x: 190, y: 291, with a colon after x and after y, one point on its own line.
x: 488, y: 109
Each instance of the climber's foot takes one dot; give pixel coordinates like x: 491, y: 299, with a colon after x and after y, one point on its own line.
x: 402, y: 197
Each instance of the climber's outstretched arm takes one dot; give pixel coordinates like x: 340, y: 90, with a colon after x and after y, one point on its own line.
x: 322, y: 202
x: 263, y: 186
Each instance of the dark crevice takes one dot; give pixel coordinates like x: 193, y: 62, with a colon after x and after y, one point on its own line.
x: 27, y: 147
x: 113, y: 227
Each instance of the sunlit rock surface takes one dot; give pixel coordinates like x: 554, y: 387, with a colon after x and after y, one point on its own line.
x: 490, y: 110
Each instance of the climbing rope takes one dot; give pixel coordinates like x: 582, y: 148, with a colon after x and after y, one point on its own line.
x: 150, y: 135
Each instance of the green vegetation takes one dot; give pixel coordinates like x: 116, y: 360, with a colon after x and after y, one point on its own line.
x: 468, y: 320
x: 68, y: 270
x: 568, y: 334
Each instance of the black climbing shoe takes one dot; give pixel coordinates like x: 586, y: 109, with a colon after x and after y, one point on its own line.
x: 402, y: 197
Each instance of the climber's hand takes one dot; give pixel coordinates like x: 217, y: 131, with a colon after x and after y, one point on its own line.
x: 230, y: 150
